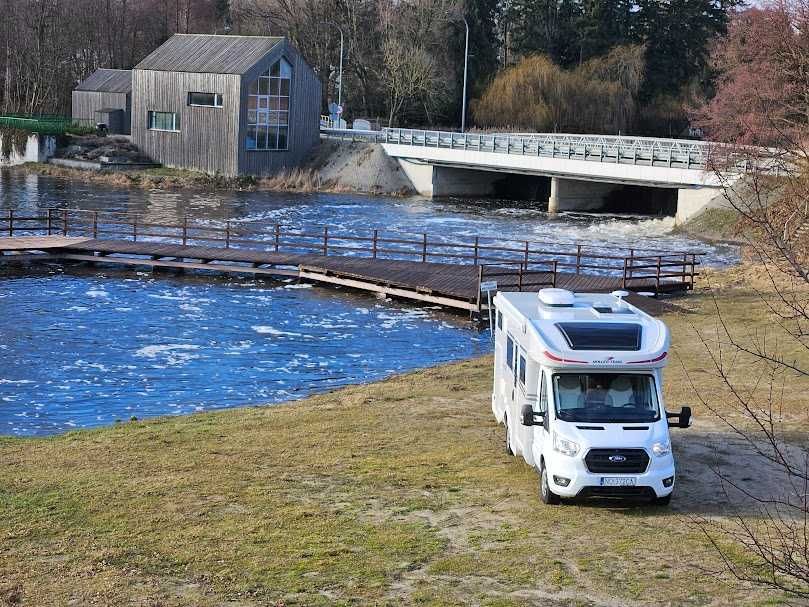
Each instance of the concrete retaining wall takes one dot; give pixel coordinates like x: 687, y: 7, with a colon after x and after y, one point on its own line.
x: 38, y: 148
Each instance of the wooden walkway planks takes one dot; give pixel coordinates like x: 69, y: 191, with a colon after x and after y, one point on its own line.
x: 454, y: 285
x: 37, y: 243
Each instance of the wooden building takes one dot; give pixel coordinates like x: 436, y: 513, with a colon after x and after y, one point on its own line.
x: 105, y: 97
x: 233, y: 105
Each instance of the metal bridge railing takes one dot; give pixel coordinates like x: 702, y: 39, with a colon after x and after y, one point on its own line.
x: 648, y: 151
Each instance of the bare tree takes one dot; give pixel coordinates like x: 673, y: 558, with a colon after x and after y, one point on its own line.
x: 768, y: 84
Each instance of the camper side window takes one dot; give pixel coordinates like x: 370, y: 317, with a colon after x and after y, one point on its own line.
x: 522, y: 370
x: 510, y: 353
x: 499, y: 320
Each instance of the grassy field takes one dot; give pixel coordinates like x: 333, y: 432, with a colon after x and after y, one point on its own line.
x: 393, y: 493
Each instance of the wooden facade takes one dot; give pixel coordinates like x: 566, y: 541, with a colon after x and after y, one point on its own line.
x: 102, y: 91
x: 213, y: 139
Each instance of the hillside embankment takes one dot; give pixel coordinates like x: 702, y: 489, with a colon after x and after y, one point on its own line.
x: 394, y: 493
x: 332, y: 167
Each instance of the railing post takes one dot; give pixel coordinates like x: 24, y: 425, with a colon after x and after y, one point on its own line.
x: 657, y: 279
x: 480, y: 281
x: 424, y: 249
x: 374, y: 244
x: 555, y: 270
x: 10, y: 222
x: 525, y: 256
x: 185, y: 230
x: 326, y: 241
x: 64, y: 222
x: 519, y: 281
x: 578, y: 260
x: 477, y: 243
x: 95, y: 224
x: 135, y: 228
x: 50, y: 221
x: 277, y: 236
x: 227, y: 234
x: 623, y: 281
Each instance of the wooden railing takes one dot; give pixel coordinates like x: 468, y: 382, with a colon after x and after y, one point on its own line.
x: 525, y: 260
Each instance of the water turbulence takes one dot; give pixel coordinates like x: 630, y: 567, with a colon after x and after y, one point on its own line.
x: 87, y: 347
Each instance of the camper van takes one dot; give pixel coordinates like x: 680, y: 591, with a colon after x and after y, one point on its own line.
x: 577, y: 385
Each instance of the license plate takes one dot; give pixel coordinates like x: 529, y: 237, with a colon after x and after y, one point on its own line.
x: 617, y: 481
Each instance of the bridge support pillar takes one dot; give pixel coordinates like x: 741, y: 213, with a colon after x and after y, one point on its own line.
x: 433, y: 180
x: 578, y: 195
x: 692, y: 201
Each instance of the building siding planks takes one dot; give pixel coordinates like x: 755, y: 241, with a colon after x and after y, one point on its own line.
x: 206, y: 140
x: 87, y: 103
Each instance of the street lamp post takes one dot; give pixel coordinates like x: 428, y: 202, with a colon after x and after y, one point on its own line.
x: 465, y: 62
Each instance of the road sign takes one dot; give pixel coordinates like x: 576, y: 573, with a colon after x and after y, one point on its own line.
x: 488, y: 285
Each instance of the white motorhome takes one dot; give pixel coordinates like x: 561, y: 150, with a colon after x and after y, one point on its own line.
x: 577, y: 384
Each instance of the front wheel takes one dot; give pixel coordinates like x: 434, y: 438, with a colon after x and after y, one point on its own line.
x: 545, y: 494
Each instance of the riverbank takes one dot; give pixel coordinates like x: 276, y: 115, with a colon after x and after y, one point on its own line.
x: 333, y: 167
x: 393, y: 493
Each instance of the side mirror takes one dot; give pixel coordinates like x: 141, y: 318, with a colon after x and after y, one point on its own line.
x: 531, y: 417
x: 683, y: 418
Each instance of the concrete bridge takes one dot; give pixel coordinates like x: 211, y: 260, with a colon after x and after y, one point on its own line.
x: 581, y: 170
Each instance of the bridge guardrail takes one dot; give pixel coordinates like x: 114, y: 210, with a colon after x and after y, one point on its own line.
x: 648, y: 151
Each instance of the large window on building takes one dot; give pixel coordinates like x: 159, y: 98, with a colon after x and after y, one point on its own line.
x: 268, y: 109
x: 163, y: 121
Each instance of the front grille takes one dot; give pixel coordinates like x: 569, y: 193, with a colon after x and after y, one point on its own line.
x: 625, y: 492
x: 634, y: 461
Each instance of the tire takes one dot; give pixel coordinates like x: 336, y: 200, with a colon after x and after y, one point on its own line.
x: 509, y: 449
x: 545, y: 494
x: 662, y: 501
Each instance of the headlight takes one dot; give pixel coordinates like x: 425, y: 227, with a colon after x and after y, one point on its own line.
x: 661, y: 449
x: 565, y: 446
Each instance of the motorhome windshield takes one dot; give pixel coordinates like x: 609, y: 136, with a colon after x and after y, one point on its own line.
x: 605, y: 397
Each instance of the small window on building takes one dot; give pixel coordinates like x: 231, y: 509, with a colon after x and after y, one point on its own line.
x: 268, y: 109
x: 522, y: 370
x: 163, y: 121
x: 499, y: 320
x: 205, y: 99
x: 510, y: 353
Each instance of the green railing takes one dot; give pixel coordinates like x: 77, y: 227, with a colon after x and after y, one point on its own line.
x: 46, y: 124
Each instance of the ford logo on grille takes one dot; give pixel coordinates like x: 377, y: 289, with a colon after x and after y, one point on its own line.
x: 617, y: 459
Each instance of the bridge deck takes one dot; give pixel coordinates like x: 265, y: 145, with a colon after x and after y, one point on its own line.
x: 452, y: 285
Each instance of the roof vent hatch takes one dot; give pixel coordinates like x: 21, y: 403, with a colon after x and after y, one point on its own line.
x: 557, y: 298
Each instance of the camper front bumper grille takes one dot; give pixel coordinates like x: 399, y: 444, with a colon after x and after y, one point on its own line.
x: 617, y: 461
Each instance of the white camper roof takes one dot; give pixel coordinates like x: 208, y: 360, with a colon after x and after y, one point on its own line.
x: 563, y: 329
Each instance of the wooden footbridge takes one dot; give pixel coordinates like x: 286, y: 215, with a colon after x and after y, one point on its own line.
x: 411, y: 266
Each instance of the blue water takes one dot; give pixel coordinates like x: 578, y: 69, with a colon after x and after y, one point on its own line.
x: 83, y: 347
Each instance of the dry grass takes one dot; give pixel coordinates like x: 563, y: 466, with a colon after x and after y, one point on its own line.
x: 393, y: 493
x: 293, y: 180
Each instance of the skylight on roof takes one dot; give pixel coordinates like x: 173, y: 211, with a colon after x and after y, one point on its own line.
x: 601, y: 336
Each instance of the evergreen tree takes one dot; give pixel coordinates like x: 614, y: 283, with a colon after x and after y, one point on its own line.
x: 677, y: 34
x: 603, y: 25
x: 547, y: 27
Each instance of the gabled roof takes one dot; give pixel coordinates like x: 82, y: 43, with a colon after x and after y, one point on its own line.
x: 209, y: 54
x: 107, y: 81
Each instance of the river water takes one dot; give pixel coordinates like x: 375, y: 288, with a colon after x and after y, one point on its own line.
x: 85, y: 347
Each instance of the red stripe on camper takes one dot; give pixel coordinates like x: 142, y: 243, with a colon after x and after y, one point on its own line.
x: 651, y: 360
x: 564, y: 360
